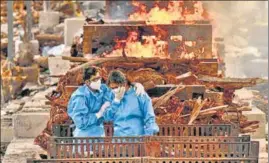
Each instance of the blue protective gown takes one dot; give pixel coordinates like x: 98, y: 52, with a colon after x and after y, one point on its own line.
x: 82, y: 107
x: 132, y: 116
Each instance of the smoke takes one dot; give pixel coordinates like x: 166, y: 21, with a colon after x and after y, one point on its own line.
x: 243, y: 25
x: 92, y: 9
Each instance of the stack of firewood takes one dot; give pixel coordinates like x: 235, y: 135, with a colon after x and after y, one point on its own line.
x: 169, y: 108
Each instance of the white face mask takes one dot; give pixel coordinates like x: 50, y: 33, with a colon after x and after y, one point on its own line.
x: 96, y: 85
x: 116, y: 90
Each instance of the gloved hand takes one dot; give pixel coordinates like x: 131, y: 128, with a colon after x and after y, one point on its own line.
x: 119, y: 94
x: 102, y: 110
x: 139, y: 89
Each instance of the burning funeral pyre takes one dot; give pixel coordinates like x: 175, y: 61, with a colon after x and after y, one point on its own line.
x: 170, y: 51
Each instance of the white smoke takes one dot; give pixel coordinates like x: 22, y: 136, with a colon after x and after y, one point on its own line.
x: 244, y: 25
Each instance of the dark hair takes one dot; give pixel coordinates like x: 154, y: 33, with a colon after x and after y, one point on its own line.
x: 89, y: 73
x: 116, y: 76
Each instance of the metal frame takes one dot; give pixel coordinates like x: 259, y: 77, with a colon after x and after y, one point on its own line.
x: 208, y: 149
x: 183, y: 147
x: 110, y: 30
x: 65, y: 130
x: 89, y: 160
x: 148, y: 160
x: 198, y: 130
x: 200, y: 160
x: 96, y: 147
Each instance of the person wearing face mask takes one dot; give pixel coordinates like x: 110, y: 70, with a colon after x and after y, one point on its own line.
x: 132, y: 115
x: 85, y: 104
x: 88, y: 103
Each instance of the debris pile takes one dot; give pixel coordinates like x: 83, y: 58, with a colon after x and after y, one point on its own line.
x: 66, y: 7
x: 20, y: 12
x: 14, y: 78
x: 31, y: 47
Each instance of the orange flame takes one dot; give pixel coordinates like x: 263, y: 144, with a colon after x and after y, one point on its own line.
x: 155, y: 46
x: 175, y: 10
x: 132, y: 47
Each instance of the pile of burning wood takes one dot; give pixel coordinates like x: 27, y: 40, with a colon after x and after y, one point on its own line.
x: 213, y: 105
x: 216, y: 108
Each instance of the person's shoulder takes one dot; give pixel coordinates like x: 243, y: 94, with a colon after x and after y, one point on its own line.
x: 80, y: 91
x: 105, y: 88
x: 144, y: 97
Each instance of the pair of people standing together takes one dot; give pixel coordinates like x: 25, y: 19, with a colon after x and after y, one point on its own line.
x: 126, y: 105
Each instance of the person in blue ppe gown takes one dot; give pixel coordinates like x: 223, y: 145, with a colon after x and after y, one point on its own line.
x: 131, y: 115
x: 88, y: 103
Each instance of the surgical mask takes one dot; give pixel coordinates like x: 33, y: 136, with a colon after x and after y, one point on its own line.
x: 116, y: 90
x: 96, y: 85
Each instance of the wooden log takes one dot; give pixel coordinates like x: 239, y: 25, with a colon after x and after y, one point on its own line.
x: 248, y: 123
x: 164, y: 98
x: 196, y: 110
x: 75, y: 59
x: 230, y: 83
x: 247, y: 131
x: 56, y: 76
x: 93, y: 62
x: 207, y: 114
x: 203, y: 112
x: 123, y: 65
x: 49, y: 37
x: 42, y: 61
x: 233, y: 109
x: 98, y: 61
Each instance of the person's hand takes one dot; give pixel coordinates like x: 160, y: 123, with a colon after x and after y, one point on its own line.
x: 139, y: 89
x: 119, y: 94
x: 102, y: 110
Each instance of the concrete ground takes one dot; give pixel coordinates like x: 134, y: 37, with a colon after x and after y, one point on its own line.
x: 21, y: 149
x: 21, y: 121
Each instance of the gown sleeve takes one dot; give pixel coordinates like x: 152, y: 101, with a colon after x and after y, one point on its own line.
x: 150, y: 124
x: 110, y: 112
x: 80, y: 113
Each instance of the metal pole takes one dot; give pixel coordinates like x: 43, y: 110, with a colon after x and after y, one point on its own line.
x: 10, y: 30
x: 29, y: 20
x: 46, y: 5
